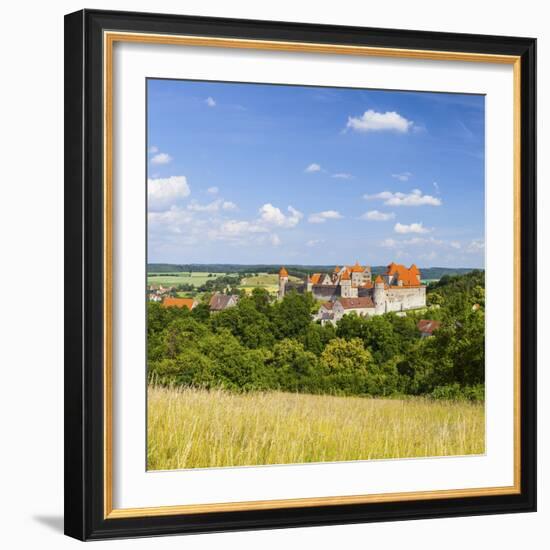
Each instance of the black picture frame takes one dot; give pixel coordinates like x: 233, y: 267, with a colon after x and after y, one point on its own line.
x: 84, y: 282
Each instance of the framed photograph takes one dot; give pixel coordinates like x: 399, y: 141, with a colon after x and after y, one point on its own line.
x: 300, y: 274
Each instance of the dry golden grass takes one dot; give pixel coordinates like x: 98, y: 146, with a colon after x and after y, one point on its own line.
x: 190, y: 428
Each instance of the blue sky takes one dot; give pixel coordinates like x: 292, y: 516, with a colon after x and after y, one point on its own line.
x: 251, y: 173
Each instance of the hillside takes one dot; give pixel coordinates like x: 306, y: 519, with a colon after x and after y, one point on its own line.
x: 296, y: 270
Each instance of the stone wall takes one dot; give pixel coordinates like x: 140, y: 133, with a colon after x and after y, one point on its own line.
x: 405, y: 298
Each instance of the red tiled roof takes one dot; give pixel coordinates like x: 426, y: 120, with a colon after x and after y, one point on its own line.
x: 379, y: 279
x: 408, y: 276
x: 315, y: 278
x: 356, y: 303
x: 219, y: 301
x: 178, y: 302
x: 345, y: 276
x: 427, y: 326
x: 283, y: 272
x: 357, y: 268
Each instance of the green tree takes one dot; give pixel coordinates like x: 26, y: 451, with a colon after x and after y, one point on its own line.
x: 292, y: 315
x: 295, y: 367
x: 261, y: 299
x: 190, y: 368
x: 201, y: 312
x: 349, y: 367
x: 380, y: 338
x: 434, y: 299
x: 351, y: 326
x: 244, y: 321
x: 180, y: 334
x: 233, y: 365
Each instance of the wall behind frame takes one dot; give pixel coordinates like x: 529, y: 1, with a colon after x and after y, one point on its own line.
x: 31, y: 274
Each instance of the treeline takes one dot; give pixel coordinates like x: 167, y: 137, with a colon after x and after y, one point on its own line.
x: 265, y: 345
x: 295, y: 270
x: 225, y: 283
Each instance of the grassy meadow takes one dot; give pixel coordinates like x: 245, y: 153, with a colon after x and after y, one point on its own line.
x: 268, y: 281
x: 196, y: 278
x: 192, y: 428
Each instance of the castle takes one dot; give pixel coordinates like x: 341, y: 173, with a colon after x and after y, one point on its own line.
x: 351, y: 288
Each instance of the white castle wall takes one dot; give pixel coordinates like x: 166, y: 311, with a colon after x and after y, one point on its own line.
x: 405, y: 298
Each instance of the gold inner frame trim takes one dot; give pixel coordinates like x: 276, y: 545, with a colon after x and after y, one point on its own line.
x: 109, y: 39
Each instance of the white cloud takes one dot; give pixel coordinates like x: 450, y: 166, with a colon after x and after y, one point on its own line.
x: 171, y: 219
x: 161, y: 158
x: 246, y: 232
x: 428, y: 241
x: 214, y: 206
x: 411, y: 228
x: 322, y: 217
x: 239, y: 228
x: 153, y: 149
x: 178, y: 226
x: 275, y: 240
x: 422, y: 240
x: 210, y: 101
x: 375, y: 215
x: 314, y: 242
x: 313, y: 167
x: 272, y: 215
x: 403, y: 176
x: 389, y: 243
x: 475, y: 246
x: 342, y: 176
x: 212, y: 190
x: 210, y: 207
x: 161, y: 192
x: 372, y: 121
x: 432, y: 255
x: 414, y: 198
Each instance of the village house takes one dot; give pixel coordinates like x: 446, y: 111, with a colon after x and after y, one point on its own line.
x: 156, y: 293
x: 189, y: 303
x: 220, y: 301
x: 332, y: 312
x: 427, y: 327
x: 398, y: 289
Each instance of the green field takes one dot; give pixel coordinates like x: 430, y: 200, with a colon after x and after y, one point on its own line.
x: 197, y: 278
x: 268, y: 281
x: 192, y: 428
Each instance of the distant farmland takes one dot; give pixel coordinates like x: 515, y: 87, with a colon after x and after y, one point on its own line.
x: 268, y: 281
x: 428, y: 273
x: 195, y: 278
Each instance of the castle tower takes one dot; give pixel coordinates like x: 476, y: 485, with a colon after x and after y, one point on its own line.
x: 368, y: 274
x: 283, y: 280
x: 309, y: 284
x: 415, y: 272
x: 357, y: 274
x: 346, y: 290
x: 379, y: 296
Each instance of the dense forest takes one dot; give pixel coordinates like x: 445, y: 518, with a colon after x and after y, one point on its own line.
x: 296, y: 270
x: 262, y: 344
